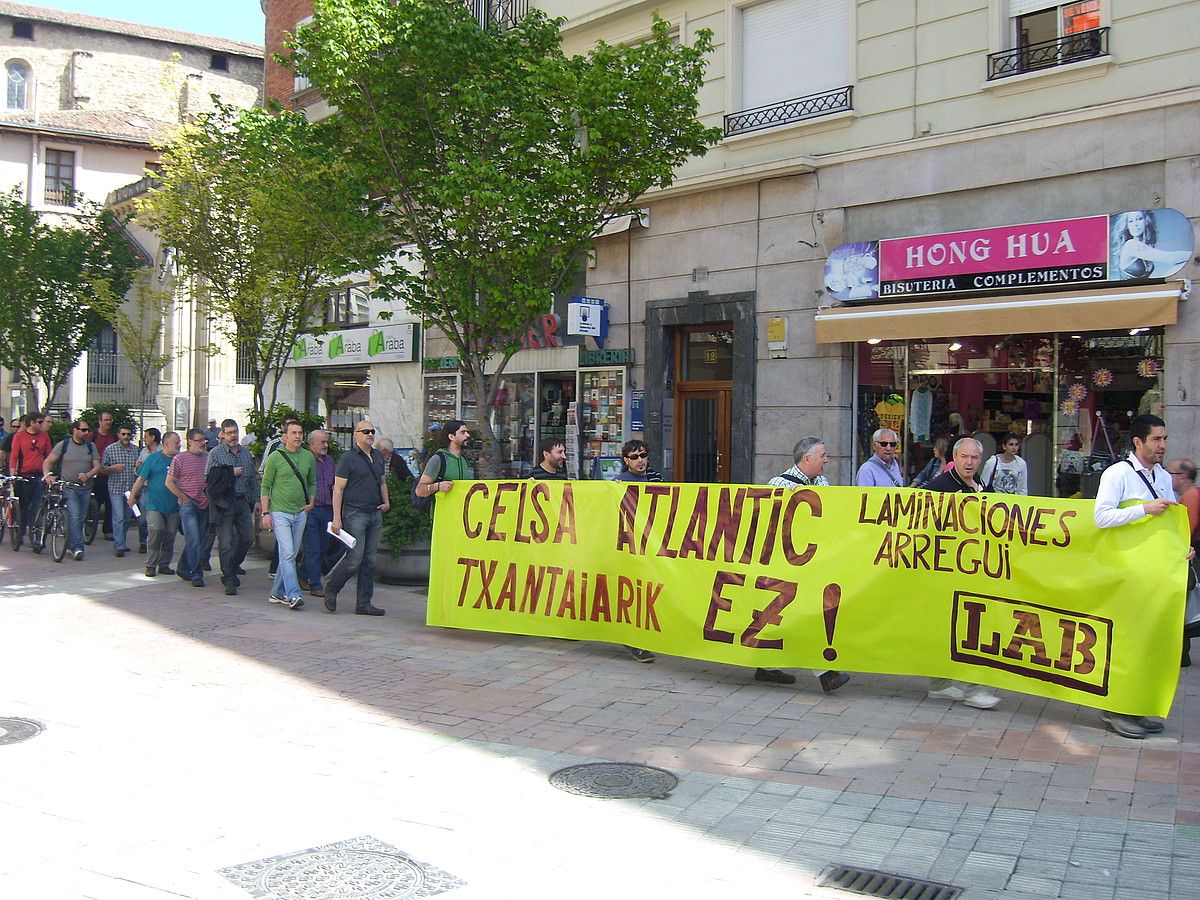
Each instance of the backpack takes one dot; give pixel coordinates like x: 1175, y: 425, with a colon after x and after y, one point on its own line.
x: 424, y: 504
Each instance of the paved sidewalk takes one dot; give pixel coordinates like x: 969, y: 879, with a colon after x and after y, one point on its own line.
x: 190, y: 733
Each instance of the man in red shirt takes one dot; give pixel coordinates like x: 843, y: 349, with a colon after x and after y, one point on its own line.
x: 30, y: 447
x: 104, y: 436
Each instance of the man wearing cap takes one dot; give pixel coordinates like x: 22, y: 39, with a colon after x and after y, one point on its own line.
x: 212, y: 434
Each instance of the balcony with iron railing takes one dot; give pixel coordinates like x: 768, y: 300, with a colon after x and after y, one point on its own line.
x: 505, y: 13
x: 786, y: 112
x: 1048, y: 54
x: 110, y: 379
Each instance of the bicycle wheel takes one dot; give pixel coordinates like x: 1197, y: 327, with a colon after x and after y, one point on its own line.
x: 92, y: 520
x: 12, y: 517
x: 4, y: 518
x: 56, y: 528
x: 37, y: 533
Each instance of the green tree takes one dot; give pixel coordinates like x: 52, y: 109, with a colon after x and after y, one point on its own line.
x: 139, y: 325
x: 500, y: 157
x: 264, y: 218
x: 58, y: 286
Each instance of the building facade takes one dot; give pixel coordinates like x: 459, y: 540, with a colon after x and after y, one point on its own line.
x: 88, y: 103
x: 867, y: 245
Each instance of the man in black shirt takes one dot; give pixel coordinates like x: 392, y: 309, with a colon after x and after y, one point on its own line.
x: 360, y: 498
x: 960, y: 479
x: 553, y: 452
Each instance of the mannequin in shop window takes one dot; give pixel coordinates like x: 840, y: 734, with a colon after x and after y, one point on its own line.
x: 1134, y: 237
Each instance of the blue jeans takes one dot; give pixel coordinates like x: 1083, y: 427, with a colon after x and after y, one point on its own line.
x: 77, y: 507
x: 289, y: 531
x: 195, y: 524
x: 366, y: 526
x: 121, y: 516
x: 317, y: 545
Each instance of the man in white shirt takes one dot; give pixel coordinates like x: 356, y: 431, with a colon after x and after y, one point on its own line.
x: 1140, y: 477
x: 1006, y: 472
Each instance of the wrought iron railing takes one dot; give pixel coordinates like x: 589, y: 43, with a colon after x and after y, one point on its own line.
x: 247, y: 364
x: 811, y: 107
x: 129, y: 191
x: 505, y: 13
x: 1047, y: 54
x: 111, y: 379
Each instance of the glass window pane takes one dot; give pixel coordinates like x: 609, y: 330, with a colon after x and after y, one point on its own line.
x: 18, y: 77
x: 708, y: 356
x: 1077, y: 17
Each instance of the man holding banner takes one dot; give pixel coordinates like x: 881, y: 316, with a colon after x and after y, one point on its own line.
x: 967, y: 454
x: 881, y: 470
x: 1130, y: 490
x: 809, y: 458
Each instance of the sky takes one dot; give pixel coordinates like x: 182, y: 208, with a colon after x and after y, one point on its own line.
x: 238, y: 19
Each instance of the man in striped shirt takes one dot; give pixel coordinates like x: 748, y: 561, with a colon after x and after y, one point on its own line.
x: 119, y: 463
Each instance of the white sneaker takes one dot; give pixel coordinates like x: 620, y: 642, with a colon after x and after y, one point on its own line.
x: 979, y: 698
x: 953, y: 692
x: 275, y: 599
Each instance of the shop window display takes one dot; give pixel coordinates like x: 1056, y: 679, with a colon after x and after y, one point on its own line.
x: 1068, y: 397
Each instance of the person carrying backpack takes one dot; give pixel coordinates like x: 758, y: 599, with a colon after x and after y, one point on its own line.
x: 445, y: 466
x: 77, y: 462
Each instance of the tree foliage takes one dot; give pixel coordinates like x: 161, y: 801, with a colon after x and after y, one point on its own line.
x: 58, y: 286
x: 500, y: 157
x: 264, y: 217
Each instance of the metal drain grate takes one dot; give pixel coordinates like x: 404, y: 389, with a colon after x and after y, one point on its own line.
x: 15, y: 730
x: 873, y: 883
x: 615, y: 781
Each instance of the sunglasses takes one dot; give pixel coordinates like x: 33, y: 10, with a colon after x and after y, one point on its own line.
x: 366, y: 431
x: 641, y: 455
x: 84, y: 430
x: 889, y: 443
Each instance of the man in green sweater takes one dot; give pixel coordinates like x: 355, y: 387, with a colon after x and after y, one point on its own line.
x: 289, y: 487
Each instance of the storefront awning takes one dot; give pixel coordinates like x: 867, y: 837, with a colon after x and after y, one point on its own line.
x: 617, y: 224
x: 1094, y: 310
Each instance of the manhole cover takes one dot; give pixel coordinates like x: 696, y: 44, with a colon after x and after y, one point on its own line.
x: 13, y: 731
x: 873, y: 883
x: 615, y: 781
x: 359, y: 869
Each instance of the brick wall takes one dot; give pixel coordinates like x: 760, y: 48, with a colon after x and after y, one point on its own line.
x: 282, y: 16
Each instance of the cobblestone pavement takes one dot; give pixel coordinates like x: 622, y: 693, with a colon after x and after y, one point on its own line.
x: 190, y: 735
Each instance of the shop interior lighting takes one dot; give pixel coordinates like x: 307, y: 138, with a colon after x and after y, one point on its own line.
x: 349, y: 384
x: 955, y: 347
x: 873, y: 341
x: 1133, y: 331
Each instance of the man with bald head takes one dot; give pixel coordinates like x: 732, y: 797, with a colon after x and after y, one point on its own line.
x: 968, y: 453
x: 318, y: 542
x: 881, y: 470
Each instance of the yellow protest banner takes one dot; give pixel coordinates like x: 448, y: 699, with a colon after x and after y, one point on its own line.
x: 1021, y: 593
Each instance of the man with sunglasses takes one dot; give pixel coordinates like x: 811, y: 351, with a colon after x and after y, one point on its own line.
x: 30, y: 447
x: 882, y: 469
x: 118, y: 463
x: 635, y: 466
x: 360, y: 498
x: 80, y: 463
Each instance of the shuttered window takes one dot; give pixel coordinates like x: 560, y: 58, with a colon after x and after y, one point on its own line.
x: 793, y: 48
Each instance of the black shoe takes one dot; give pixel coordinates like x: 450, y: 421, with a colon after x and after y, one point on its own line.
x: 832, y: 680
x: 241, y: 571
x: 186, y: 576
x: 108, y: 536
x: 151, y: 571
x: 198, y: 581
x: 1125, y: 726
x: 141, y: 548
x: 642, y: 656
x: 774, y: 676
x: 231, y: 590
x: 16, y: 546
x: 330, y: 601
x: 165, y: 570
x: 1152, y: 726
x: 368, y: 610
x: 120, y: 553
x: 207, y: 567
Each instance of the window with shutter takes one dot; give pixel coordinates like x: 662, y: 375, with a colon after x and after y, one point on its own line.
x: 793, y: 64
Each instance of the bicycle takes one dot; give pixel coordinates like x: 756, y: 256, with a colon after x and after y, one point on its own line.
x: 53, y: 516
x: 10, y: 510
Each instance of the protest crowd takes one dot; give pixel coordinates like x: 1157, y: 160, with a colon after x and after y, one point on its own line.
x: 204, y: 491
